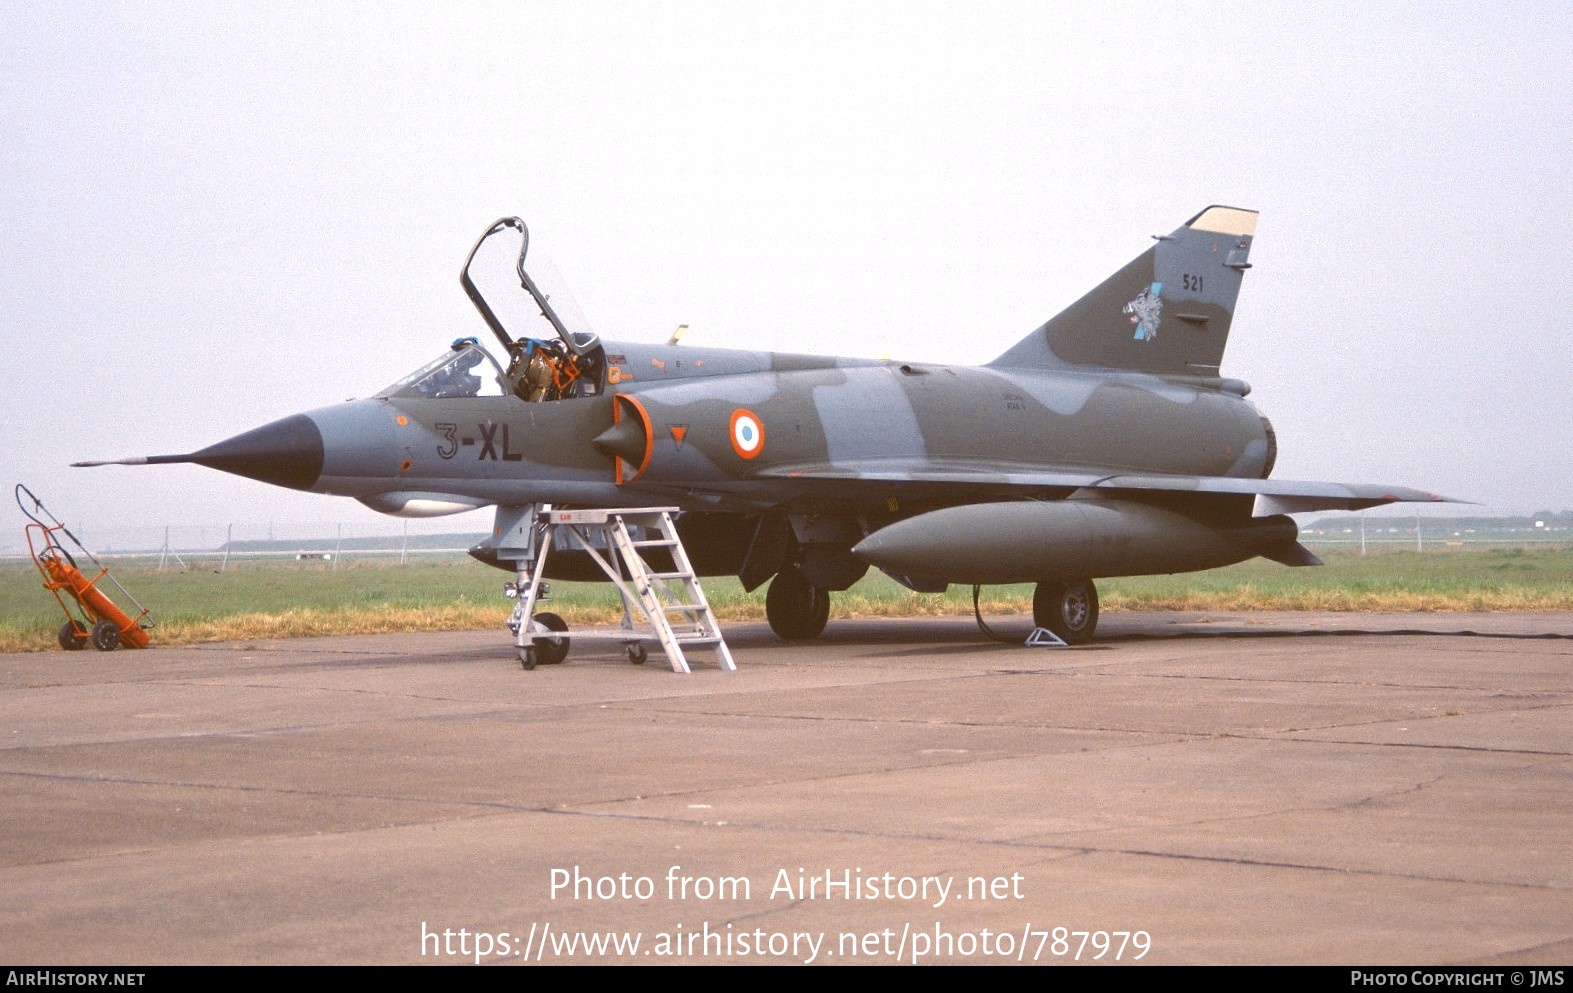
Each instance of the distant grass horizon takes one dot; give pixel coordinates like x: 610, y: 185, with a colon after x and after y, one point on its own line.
x: 283, y: 599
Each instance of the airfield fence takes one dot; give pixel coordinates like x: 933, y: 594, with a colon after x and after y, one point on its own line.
x: 219, y: 546
x: 394, y: 541
x: 1433, y: 534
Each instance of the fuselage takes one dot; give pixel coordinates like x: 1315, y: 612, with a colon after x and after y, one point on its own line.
x: 747, y: 431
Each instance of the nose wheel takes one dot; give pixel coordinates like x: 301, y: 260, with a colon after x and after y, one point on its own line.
x: 549, y: 649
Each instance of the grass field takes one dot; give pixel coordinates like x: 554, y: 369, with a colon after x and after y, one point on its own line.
x: 289, y: 599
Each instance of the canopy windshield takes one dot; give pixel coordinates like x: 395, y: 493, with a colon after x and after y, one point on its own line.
x: 464, y: 370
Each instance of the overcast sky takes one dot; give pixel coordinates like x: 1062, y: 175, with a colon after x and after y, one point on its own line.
x: 219, y: 214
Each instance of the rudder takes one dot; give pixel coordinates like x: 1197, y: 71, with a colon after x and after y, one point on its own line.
x: 1167, y: 311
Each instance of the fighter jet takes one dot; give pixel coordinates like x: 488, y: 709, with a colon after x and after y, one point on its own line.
x: 1105, y: 443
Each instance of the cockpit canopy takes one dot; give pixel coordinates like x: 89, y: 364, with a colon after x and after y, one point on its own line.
x: 538, y: 371
x: 546, y: 310
x: 552, y: 353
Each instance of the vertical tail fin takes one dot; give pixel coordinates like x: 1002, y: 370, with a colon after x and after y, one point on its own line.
x: 1167, y: 311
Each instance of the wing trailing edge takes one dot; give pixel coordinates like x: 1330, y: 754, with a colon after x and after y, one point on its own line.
x: 1273, y: 496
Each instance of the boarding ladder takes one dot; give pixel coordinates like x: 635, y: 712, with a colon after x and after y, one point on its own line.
x: 671, y: 603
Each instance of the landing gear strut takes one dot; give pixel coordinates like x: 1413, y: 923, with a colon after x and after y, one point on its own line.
x: 796, y: 609
x: 1070, y: 609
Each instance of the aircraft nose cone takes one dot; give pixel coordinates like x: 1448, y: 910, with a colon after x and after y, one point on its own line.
x: 287, y: 452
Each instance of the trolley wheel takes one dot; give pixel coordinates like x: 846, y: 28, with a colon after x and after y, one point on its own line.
x: 527, y: 658
x: 637, y: 654
x: 551, y: 650
x: 71, y: 639
x: 106, y: 636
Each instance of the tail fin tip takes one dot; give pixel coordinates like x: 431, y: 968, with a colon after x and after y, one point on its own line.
x: 1237, y: 222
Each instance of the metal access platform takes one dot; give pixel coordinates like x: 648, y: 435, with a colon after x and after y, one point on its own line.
x: 670, y: 603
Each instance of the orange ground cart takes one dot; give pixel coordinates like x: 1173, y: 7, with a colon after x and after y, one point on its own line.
x: 96, y: 618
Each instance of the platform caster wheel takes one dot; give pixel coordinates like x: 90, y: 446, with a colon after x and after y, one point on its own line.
x: 71, y: 639
x: 106, y: 636
x: 551, y: 650
x: 527, y: 658
x: 637, y: 654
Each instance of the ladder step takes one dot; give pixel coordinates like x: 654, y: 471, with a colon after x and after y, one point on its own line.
x: 670, y: 575
x: 684, y: 606
x: 654, y: 543
x: 698, y: 639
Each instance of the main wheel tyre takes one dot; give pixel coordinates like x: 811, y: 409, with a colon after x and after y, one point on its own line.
x: 1070, y: 610
x: 797, y: 610
x: 106, y: 636
x: 70, y: 640
x: 551, y: 650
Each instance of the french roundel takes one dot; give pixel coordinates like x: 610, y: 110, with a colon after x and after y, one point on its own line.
x: 748, y: 433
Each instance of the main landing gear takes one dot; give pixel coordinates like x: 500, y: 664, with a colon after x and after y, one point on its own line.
x: 1069, y: 609
x: 796, y: 609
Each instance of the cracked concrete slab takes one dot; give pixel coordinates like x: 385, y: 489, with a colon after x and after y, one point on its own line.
x: 1275, y: 788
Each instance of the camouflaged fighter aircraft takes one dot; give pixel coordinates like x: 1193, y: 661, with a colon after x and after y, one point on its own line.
x: 1105, y: 443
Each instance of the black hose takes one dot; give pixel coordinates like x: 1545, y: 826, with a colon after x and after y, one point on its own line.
x: 978, y: 614
x: 38, y: 505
